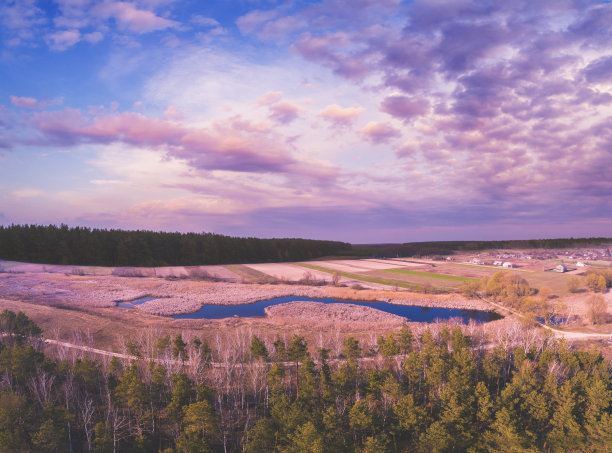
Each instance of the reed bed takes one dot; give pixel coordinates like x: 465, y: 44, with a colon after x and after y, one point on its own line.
x: 332, y: 314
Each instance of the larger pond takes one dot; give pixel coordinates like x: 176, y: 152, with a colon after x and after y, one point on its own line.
x: 410, y: 312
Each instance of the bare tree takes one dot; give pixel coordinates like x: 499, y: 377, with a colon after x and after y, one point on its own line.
x: 41, y: 386
x: 86, y: 414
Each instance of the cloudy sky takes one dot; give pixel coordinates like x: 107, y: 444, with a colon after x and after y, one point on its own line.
x: 357, y: 120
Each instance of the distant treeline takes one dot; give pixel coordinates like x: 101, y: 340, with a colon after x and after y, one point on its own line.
x: 85, y: 246
x: 448, y: 247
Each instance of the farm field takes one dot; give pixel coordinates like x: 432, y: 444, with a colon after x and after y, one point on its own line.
x: 361, y: 265
x: 420, y: 281
x: 367, y: 278
x: 434, y: 275
x: 534, y: 274
x: 553, y: 280
x: 288, y: 271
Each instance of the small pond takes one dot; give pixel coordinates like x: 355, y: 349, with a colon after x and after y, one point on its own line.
x: 411, y: 313
x: 133, y: 303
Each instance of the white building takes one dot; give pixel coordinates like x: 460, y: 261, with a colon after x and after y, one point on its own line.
x: 498, y: 263
x: 507, y: 264
x: 580, y: 264
x: 561, y: 268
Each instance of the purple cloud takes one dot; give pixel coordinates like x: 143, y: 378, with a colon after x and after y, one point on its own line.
x: 599, y: 70
x: 284, y: 112
x: 404, y: 107
x: 326, y: 50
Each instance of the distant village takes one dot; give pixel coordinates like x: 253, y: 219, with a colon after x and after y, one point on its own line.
x: 580, y: 258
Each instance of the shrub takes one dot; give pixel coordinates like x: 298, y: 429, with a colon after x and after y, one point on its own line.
x: 335, y: 278
x: 605, y: 273
x: 596, y: 283
x: 597, y: 309
x: 575, y: 284
x: 198, y: 273
x: 507, y: 288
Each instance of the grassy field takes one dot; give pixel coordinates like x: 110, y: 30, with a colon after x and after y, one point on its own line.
x: 554, y: 280
x: 453, y: 278
x: 482, y: 266
x: 442, y: 284
x: 373, y: 279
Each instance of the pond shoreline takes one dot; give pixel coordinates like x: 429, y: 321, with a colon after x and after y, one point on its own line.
x: 410, y: 313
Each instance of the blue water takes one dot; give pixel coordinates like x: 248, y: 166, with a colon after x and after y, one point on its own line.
x: 132, y: 303
x: 554, y: 321
x: 411, y: 313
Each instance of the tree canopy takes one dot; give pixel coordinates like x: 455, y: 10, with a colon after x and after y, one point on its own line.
x: 442, y: 392
x: 85, y: 246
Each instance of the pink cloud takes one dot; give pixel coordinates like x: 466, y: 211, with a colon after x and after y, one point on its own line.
x: 69, y: 126
x: 233, y: 144
x: 340, y: 116
x: 379, y: 132
x: 270, y: 98
x: 130, y: 17
x: 24, y: 102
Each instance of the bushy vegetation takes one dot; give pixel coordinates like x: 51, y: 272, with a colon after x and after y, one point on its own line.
x: 575, y: 284
x: 597, y: 309
x: 85, y: 246
x: 598, y: 280
x: 504, y: 287
x: 438, y: 391
x: 514, y: 292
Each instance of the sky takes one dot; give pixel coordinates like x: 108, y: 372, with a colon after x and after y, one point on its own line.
x: 363, y: 121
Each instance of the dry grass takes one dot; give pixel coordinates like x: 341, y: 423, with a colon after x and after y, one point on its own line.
x: 289, y: 272
x: 356, y: 265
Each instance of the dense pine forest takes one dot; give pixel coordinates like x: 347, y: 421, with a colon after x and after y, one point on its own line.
x: 85, y: 246
x: 441, y: 389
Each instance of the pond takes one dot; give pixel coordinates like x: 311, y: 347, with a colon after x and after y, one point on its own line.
x: 411, y: 313
x: 133, y: 303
